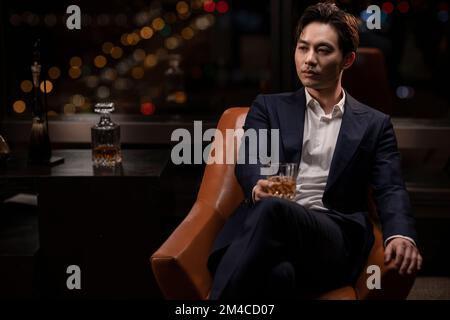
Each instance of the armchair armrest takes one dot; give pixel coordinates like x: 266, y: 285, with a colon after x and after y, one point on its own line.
x: 393, y: 285
x: 180, y: 264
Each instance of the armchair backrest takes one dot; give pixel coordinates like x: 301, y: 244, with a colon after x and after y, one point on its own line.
x: 219, y: 187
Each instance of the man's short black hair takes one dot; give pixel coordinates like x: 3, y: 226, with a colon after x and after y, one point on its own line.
x: 345, y: 24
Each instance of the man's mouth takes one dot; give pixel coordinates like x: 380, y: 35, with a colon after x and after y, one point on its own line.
x: 310, y: 72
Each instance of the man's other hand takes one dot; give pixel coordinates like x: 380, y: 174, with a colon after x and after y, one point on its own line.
x: 407, y: 257
x: 260, y: 190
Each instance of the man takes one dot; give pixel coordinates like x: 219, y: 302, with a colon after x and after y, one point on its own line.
x: 272, y: 247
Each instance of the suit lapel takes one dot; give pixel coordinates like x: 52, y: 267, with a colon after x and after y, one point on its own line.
x: 291, y: 123
x: 352, y: 130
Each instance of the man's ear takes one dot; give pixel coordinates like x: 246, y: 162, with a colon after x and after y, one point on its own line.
x: 348, y: 60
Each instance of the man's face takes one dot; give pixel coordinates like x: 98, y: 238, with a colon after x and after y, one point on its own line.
x: 318, y: 58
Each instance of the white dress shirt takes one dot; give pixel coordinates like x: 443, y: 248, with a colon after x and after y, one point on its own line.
x: 319, y: 141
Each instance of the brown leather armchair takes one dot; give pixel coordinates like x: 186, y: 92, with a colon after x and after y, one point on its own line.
x: 179, y: 265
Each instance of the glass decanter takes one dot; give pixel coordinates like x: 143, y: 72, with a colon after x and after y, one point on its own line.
x: 105, y: 138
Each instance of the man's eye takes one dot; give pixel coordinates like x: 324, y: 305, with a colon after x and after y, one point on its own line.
x: 302, y: 48
x: 323, y: 50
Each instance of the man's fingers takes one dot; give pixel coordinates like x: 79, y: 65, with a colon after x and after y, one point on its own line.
x: 399, y: 255
x: 388, y: 254
x: 406, y: 260
x: 413, y: 264
x: 260, y: 193
x: 419, y: 262
x: 263, y: 183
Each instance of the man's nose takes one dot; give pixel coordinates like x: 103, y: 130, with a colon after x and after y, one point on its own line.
x: 310, y: 58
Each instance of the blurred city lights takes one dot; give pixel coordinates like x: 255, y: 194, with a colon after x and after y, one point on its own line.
x: 137, y: 73
x: 172, y: 43
x: 78, y: 100
x: 403, y: 7
x: 19, y: 106
x: 146, y: 33
x: 158, y: 24
x: 150, y: 60
x: 26, y: 86
x: 139, y: 55
x: 222, y: 7
x: 54, y: 73
x: 116, y: 52
x: 405, y: 92
x: 147, y: 108
x: 103, y: 92
x: 100, y: 61
x: 388, y: 7
x: 46, y: 86
x: 182, y: 7
x: 76, y: 62
x: 187, y: 33
x: 107, y: 47
x: 74, y: 72
x: 209, y: 5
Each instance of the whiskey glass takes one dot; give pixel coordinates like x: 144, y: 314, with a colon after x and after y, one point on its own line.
x: 283, y: 180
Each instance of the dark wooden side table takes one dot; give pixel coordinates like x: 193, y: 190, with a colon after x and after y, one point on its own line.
x: 105, y: 221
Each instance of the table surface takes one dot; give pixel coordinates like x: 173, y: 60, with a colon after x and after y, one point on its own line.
x: 78, y: 163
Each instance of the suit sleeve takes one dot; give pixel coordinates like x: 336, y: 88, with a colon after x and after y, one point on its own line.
x: 389, y: 189
x: 248, y: 168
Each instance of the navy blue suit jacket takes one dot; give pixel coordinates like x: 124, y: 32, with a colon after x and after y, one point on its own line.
x: 366, y: 155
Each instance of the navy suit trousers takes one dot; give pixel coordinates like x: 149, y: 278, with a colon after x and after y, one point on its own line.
x: 284, y: 250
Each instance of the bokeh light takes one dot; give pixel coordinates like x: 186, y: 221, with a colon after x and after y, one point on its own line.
x: 403, y: 7
x: 209, y: 5
x: 196, y: 4
x: 74, y: 72
x: 139, y: 55
x: 172, y: 43
x: 116, y: 52
x: 182, y: 7
x: 76, y: 62
x: 69, y: 108
x: 103, y: 92
x: 54, y: 73
x: 146, y: 33
x: 158, y: 24
x: 26, y: 86
x: 137, y: 73
x: 107, y: 47
x: 46, y: 85
x: 405, y: 92
x: 78, y: 100
x: 222, y: 7
x: 187, y: 33
x: 387, y: 7
x: 100, y: 61
x: 19, y: 106
x: 150, y: 60
x: 147, y: 108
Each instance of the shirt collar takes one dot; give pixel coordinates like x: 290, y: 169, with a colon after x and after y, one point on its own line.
x: 339, y: 107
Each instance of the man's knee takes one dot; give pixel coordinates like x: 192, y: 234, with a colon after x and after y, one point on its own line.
x: 276, y: 209
x: 281, y: 281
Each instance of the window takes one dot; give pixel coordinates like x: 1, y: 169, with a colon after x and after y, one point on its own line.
x: 170, y: 57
